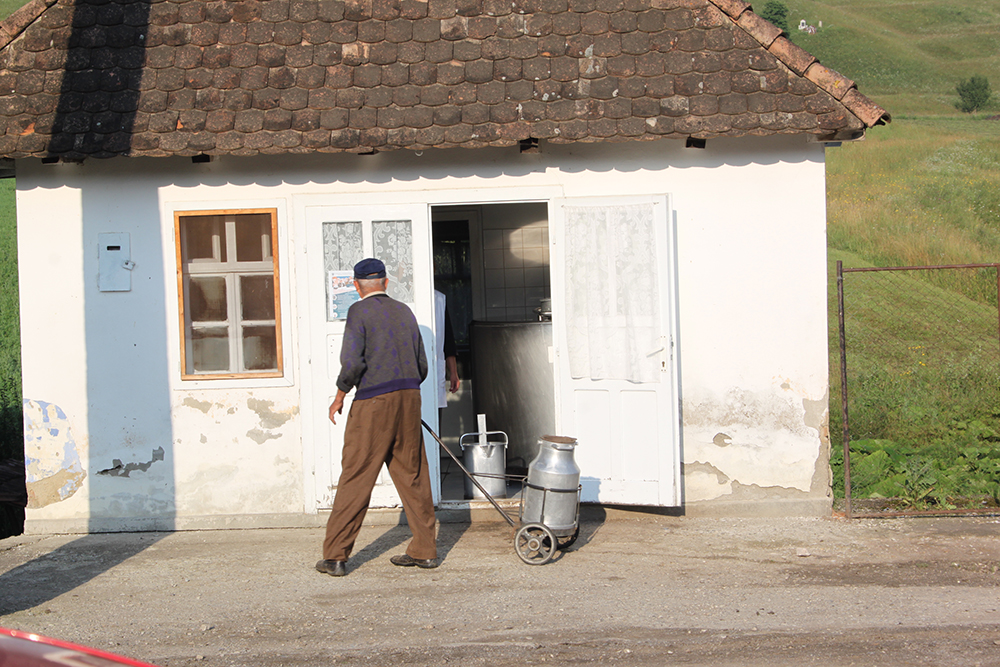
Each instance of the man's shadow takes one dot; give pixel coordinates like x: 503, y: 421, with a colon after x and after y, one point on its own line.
x: 399, y: 535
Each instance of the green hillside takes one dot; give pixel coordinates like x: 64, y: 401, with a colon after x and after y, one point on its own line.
x: 907, y: 56
x: 10, y: 357
x: 924, y: 189
x: 8, y: 7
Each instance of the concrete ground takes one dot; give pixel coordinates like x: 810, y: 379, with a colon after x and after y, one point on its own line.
x: 636, y: 589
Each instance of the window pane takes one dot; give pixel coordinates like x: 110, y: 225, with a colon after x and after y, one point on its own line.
x: 229, y: 304
x: 204, y: 237
x: 210, y: 349
x: 394, y: 246
x: 257, y: 294
x: 253, y: 237
x: 208, y: 299
x: 260, y: 348
x: 343, y: 247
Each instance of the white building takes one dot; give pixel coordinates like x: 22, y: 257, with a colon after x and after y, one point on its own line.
x: 192, y: 175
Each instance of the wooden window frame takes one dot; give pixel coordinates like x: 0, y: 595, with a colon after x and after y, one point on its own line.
x: 236, y: 325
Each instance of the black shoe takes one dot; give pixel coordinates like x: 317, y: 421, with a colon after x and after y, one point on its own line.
x: 334, y: 568
x: 405, y: 560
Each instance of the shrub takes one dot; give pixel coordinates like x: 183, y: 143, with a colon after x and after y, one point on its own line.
x: 973, y: 93
x: 777, y: 13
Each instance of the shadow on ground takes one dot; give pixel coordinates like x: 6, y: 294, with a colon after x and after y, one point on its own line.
x: 67, y: 567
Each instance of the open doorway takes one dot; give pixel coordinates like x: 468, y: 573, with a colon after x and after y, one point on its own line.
x: 491, y: 262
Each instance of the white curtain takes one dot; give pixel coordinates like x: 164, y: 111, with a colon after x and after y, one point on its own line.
x: 612, y: 293
x: 393, y: 244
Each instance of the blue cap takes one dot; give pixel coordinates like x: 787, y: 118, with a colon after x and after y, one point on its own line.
x: 369, y: 269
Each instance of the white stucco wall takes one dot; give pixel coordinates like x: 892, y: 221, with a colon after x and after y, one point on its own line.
x: 751, y: 267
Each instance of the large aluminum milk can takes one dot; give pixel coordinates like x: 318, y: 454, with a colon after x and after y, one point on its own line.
x: 551, y: 494
x: 484, y: 455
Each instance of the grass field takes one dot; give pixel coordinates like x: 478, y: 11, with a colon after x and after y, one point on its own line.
x: 10, y: 352
x: 922, y: 191
x: 924, y: 385
x: 907, y: 56
x: 8, y: 7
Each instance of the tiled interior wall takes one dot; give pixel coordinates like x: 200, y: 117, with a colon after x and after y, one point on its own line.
x: 515, y: 260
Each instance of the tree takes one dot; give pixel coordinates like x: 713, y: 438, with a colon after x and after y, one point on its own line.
x: 973, y: 93
x: 777, y: 13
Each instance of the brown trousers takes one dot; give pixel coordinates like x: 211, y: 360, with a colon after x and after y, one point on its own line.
x: 383, y: 429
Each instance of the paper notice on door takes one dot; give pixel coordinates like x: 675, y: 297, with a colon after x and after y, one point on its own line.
x: 340, y: 294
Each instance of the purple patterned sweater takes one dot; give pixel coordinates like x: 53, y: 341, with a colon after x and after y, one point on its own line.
x: 382, y: 350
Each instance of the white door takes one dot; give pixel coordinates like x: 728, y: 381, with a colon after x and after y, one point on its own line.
x: 337, y: 237
x: 613, y: 318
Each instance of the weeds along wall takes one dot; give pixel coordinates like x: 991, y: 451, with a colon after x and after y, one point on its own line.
x: 922, y: 351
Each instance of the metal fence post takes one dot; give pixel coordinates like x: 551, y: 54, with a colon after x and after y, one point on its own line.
x: 843, y: 388
x: 997, y: 267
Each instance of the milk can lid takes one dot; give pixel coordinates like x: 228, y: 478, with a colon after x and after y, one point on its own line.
x: 560, y: 441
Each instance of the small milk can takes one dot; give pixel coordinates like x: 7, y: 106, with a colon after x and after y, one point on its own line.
x: 485, y: 457
x: 552, y: 489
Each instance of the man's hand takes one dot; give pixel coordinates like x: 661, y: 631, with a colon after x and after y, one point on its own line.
x: 451, y: 363
x: 337, y: 407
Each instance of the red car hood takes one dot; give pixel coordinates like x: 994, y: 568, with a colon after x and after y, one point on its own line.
x: 25, y: 649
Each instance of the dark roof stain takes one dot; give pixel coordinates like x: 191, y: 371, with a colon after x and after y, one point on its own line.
x: 104, y: 78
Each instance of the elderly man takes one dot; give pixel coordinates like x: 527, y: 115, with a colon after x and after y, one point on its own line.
x: 383, y: 356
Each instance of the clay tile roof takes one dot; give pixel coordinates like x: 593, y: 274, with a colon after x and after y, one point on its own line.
x: 104, y: 78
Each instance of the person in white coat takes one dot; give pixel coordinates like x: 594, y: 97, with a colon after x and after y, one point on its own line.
x: 447, y: 361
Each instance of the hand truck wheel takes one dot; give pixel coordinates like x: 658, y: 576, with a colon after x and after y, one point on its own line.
x: 535, y: 544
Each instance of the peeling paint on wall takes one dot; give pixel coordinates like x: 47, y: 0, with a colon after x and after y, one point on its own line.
x: 201, y: 406
x: 747, y: 409
x: 223, y: 457
x: 231, y: 488
x: 823, y: 476
x: 52, y: 455
x: 119, y: 469
x: 816, y: 412
x: 260, y: 437
x: 269, y: 419
x: 753, y: 492
x: 702, y: 480
x: 762, y: 443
